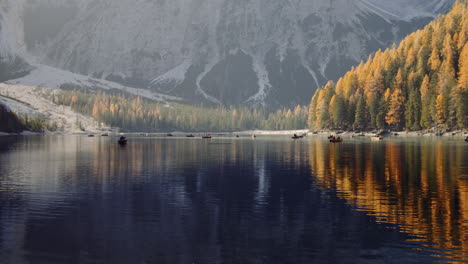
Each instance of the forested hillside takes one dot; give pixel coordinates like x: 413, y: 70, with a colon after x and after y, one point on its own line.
x: 10, y: 123
x: 133, y: 113
x: 421, y: 84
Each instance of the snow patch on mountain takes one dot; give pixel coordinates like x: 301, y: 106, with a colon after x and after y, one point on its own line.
x: 263, y: 83
x: 198, y: 50
x: 33, y: 101
x: 48, y: 77
x: 174, y: 76
x: 16, y: 106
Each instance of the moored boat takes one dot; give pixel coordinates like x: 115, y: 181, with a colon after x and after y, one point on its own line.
x: 297, y: 137
x: 122, y: 141
x: 336, y: 140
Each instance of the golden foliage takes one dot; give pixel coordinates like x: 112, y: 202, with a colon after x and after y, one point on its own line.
x: 432, y: 62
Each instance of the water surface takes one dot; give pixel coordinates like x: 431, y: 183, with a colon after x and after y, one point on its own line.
x: 73, y: 199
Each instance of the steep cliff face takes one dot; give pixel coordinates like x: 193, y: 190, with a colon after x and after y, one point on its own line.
x: 250, y: 52
x: 12, y: 65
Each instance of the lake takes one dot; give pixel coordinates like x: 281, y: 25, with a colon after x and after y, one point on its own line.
x: 74, y: 199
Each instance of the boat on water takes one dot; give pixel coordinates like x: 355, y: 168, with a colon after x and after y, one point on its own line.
x: 297, y: 137
x: 190, y: 136
x: 170, y: 135
x: 336, y: 140
x: 377, y: 138
x: 122, y: 141
x: 90, y: 135
x: 206, y: 137
x: 466, y: 139
x: 105, y: 135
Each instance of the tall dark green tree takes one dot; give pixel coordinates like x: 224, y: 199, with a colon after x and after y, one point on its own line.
x: 360, y: 120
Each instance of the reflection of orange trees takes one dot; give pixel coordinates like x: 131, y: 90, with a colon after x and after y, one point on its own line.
x: 419, y: 187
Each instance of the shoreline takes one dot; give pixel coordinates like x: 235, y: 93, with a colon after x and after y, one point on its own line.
x: 421, y: 133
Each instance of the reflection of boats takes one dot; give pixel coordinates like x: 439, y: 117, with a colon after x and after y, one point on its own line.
x: 122, y: 140
x: 336, y: 140
x: 206, y: 137
x: 190, y: 136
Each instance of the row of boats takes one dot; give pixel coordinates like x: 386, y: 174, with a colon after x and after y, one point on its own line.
x: 205, y: 136
x: 333, y: 139
x: 192, y: 136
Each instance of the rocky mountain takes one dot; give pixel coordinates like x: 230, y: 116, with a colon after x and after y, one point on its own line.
x: 12, y: 65
x: 249, y: 52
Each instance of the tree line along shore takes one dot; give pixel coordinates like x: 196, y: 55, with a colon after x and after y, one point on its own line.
x: 419, y: 86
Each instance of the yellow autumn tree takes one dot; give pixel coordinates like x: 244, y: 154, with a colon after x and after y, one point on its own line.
x: 440, y: 109
x: 396, y: 109
x: 434, y: 60
x: 463, y: 73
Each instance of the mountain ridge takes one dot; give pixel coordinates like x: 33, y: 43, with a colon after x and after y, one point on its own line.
x: 247, y: 53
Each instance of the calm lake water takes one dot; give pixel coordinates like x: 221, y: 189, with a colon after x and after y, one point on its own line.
x: 74, y: 199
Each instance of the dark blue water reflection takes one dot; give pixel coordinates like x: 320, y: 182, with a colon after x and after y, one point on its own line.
x: 75, y: 199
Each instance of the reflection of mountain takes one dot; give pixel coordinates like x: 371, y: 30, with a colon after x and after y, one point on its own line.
x: 423, y: 188
x: 180, y: 201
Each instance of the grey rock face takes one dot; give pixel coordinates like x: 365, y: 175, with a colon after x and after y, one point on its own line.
x: 12, y: 65
x: 243, y: 52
